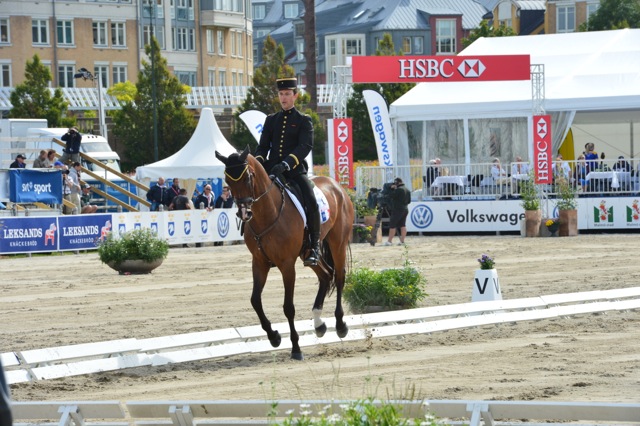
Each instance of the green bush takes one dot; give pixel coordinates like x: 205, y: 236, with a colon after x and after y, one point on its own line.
x: 142, y: 244
x: 389, y: 288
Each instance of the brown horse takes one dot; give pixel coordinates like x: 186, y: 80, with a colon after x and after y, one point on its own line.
x: 274, y: 233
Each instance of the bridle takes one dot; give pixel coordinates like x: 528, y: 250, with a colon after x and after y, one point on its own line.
x: 246, y: 203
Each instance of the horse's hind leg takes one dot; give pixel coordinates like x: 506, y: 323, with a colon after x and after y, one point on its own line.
x: 339, y: 275
x: 259, y: 279
x: 318, y: 322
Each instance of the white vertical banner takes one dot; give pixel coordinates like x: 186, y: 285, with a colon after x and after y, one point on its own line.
x: 381, y: 125
x: 254, y: 120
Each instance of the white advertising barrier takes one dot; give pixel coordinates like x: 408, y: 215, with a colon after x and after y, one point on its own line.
x: 594, y: 213
x: 184, y: 226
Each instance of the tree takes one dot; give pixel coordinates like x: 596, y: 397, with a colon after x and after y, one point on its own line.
x: 33, y: 99
x: 134, y: 122
x: 364, y: 142
x: 309, y: 19
x: 613, y: 15
x: 484, y: 30
x: 263, y: 96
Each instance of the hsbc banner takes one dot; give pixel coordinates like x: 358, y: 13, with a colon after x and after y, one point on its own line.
x: 542, y: 152
x: 341, y: 159
x: 419, y: 69
x: 33, y: 185
x: 81, y: 232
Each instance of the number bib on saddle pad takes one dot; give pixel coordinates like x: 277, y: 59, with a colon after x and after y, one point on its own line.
x: 323, y: 205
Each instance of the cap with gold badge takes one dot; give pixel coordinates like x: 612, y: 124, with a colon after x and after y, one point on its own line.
x: 287, y: 83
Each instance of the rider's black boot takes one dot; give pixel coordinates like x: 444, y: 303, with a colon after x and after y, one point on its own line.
x: 314, y: 231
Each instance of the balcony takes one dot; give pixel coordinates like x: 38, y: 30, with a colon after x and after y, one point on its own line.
x: 225, y: 19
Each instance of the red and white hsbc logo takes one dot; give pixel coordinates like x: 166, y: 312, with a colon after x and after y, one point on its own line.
x: 343, y: 151
x: 542, y: 152
x: 417, y: 69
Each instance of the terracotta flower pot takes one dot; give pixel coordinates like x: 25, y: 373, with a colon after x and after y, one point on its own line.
x: 568, y: 223
x: 532, y: 219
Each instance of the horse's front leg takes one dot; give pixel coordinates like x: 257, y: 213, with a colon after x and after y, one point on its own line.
x: 260, y: 272
x: 289, y: 279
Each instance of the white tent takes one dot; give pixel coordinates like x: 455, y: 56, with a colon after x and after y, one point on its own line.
x: 197, y: 158
x: 583, y: 72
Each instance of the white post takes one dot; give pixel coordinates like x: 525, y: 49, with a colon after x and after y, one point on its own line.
x: 101, y: 118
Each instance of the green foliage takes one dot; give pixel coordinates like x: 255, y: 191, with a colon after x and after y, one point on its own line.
x: 566, y: 195
x: 124, y: 92
x: 390, y: 288
x: 362, y: 209
x: 365, y: 148
x: 32, y: 99
x: 529, y: 194
x: 134, y: 122
x: 486, y: 262
x: 484, y: 30
x: 365, y: 412
x: 613, y: 15
x: 142, y: 244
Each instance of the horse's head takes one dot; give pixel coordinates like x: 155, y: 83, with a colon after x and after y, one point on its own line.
x: 240, y: 172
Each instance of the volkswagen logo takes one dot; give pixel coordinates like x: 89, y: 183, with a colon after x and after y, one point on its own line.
x: 421, y: 216
x: 223, y: 224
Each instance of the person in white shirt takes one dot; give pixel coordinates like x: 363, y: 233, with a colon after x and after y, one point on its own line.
x: 519, y: 167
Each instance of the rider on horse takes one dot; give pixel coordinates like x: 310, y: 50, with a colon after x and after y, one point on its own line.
x: 286, y: 140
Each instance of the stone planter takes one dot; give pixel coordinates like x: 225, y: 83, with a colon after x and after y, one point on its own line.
x: 486, y: 285
x: 131, y: 267
x: 533, y: 219
x: 568, y: 223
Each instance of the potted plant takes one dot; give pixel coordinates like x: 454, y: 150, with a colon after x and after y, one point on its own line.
x: 139, y: 251
x: 531, y: 204
x: 552, y: 225
x: 486, y: 285
x: 390, y: 289
x: 567, y: 204
x: 361, y: 233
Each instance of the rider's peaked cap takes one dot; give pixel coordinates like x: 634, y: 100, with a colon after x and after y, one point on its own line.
x: 287, y: 83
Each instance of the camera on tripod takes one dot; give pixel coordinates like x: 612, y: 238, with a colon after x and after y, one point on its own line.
x: 380, y: 198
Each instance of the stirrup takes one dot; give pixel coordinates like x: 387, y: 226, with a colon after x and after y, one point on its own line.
x: 313, y: 258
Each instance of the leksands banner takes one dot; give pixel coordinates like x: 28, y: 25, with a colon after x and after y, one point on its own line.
x: 381, y: 125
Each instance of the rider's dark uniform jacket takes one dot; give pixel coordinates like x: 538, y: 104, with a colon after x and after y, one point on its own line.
x: 286, y: 136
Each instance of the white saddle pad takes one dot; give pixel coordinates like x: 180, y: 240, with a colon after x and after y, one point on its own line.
x: 323, y: 205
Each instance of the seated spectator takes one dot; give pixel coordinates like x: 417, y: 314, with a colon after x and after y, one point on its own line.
x: 85, y: 200
x: 519, y: 167
x: 432, y: 172
x: 206, y: 200
x: 580, y: 173
x: 500, y: 178
x: 224, y: 200
x: 41, y: 162
x: 622, y: 165
x: 51, y: 157
x: 19, y: 162
x: 181, y: 201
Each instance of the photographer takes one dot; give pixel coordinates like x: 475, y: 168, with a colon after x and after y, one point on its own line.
x: 71, y: 153
x: 67, y: 184
x: 399, y: 198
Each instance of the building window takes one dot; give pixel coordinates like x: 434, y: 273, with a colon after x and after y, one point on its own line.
x: 262, y: 33
x: 100, y: 34
x: 65, y: 32
x: 103, y: 72
x: 237, y: 6
x: 212, y: 77
x: 222, y: 78
x: 119, y: 74
x: 300, y: 50
x: 186, y: 77
x: 211, y: 46
x: 566, y: 19
x: 239, y: 45
x: 40, y: 31
x: 332, y: 47
x: 290, y: 10
x: 240, y: 78
x: 158, y: 33
x: 5, y: 75
x: 445, y: 36
x: 220, y: 40
x: 65, y: 75
x: 4, y: 31
x: 406, y: 45
x: 118, y: 34
x: 592, y: 8
x: 353, y: 47
x: 259, y: 12
x: 418, y: 45
x: 152, y: 9
x: 233, y: 43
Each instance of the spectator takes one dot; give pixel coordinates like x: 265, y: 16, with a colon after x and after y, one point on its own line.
x: 71, y: 152
x: 500, y: 178
x: 433, y: 171
x: 51, y: 157
x: 622, y: 165
x: 561, y: 168
x: 158, y: 195
x: 19, y: 162
x: 41, y: 162
x: 181, y: 201
x: 76, y: 189
x: 174, y: 190
x: 591, y: 156
x: 67, y: 183
x: 581, y: 172
x: 85, y: 200
x: 519, y: 167
x: 400, y: 198
x: 206, y: 199
x: 224, y: 200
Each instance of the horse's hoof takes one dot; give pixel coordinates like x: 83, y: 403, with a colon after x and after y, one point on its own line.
x: 321, y: 330
x: 342, y: 331
x: 275, y: 339
x: 297, y: 356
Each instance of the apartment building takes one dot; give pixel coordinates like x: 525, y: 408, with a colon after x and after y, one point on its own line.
x: 205, y: 42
